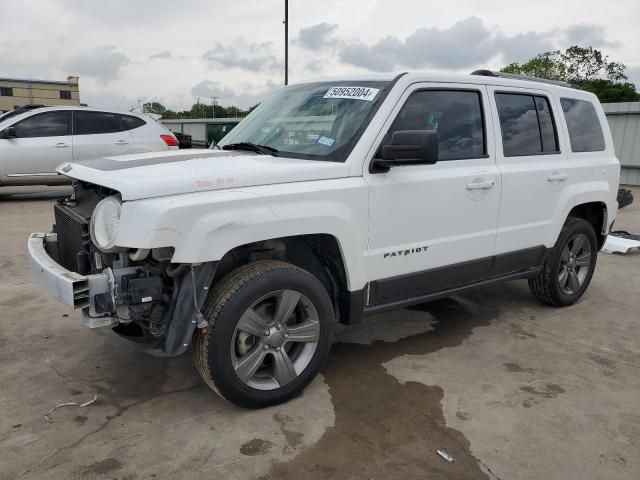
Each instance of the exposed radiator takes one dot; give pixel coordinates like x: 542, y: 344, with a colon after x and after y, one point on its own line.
x: 73, y: 239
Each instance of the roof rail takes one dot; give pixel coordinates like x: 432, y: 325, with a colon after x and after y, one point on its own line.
x: 528, y: 78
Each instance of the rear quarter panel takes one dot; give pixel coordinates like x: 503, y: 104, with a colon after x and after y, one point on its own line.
x: 147, y: 138
x: 595, y: 176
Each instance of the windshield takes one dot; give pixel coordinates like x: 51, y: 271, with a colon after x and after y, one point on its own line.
x: 317, y: 121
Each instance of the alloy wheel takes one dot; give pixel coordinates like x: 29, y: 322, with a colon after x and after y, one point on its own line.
x: 575, y: 263
x: 275, y: 340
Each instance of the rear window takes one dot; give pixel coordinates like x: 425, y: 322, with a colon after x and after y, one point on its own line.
x: 130, y: 122
x: 92, y: 123
x: 527, y: 125
x: 584, y: 127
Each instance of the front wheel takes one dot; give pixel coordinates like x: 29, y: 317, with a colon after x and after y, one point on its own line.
x: 269, y: 334
x: 568, y: 269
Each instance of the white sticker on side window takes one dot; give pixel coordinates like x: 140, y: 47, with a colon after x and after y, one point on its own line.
x: 358, y: 93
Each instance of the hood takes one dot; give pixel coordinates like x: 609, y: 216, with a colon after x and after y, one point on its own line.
x: 158, y: 174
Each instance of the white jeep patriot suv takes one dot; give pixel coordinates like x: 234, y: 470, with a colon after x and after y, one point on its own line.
x: 333, y: 200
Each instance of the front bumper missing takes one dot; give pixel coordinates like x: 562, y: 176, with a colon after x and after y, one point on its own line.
x: 70, y: 288
x: 80, y: 291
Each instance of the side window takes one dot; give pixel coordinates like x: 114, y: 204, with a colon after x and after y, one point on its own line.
x: 456, y: 115
x: 65, y: 94
x: 527, y: 125
x: 6, y: 92
x: 49, y: 124
x: 585, y: 132
x: 130, y: 122
x: 92, y: 123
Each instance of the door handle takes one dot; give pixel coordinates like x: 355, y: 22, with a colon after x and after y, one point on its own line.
x: 557, y: 177
x: 61, y: 145
x: 481, y: 185
x: 122, y: 142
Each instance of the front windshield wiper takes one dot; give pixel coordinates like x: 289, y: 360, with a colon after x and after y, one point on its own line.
x: 252, y: 147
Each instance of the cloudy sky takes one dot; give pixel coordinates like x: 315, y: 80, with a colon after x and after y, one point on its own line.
x: 177, y: 51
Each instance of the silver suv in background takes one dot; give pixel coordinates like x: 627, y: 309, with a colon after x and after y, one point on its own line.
x: 34, y: 142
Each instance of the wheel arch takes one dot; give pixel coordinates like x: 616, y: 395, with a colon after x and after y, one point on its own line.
x: 597, y: 215
x: 320, y: 254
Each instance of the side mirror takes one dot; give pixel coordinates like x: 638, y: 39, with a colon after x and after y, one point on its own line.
x: 9, y: 132
x: 408, y: 147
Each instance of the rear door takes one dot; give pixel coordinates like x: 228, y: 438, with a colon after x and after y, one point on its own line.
x: 99, y: 134
x: 535, y: 171
x: 43, y: 142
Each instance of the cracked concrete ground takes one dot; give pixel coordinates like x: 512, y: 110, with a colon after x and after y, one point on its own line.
x: 511, y: 389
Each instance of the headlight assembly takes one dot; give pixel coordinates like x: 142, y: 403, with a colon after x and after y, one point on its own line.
x: 105, y: 221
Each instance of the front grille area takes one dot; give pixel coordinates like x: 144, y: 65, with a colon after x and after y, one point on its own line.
x: 73, y: 239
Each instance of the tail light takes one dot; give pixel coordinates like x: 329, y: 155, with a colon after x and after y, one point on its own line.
x: 169, y: 139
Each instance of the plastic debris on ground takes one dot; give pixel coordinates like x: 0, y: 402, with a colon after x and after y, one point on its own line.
x: 70, y: 404
x: 621, y: 242
x: 445, y: 455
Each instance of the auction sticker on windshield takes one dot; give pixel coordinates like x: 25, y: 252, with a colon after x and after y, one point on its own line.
x: 357, y: 93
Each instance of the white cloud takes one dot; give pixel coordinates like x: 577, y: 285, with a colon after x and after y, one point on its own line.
x: 103, y: 63
x: 161, y: 55
x: 255, y: 57
x: 153, y: 49
x: 246, y: 96
x: 465, y: 44
x: 210, y: 88
x: 317, y: 36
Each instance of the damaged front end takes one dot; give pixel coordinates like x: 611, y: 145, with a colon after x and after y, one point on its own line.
x: 139, y: 293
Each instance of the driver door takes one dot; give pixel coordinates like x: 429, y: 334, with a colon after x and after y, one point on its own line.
x: 433, y: 227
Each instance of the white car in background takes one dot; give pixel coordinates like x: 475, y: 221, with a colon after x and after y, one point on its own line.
x: 34, y: 142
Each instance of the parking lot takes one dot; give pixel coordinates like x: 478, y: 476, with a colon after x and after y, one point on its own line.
x: 509, y: 388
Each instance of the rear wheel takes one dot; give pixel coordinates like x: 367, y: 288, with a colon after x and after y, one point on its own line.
x: 568, y: 269
x: 269, y: 334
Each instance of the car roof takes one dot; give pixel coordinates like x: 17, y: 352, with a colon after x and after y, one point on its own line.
x: 83, y: 108
x: 408, y: 78
x: 57, y: 108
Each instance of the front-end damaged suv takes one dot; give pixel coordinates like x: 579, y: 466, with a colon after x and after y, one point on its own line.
x: 333, y: 200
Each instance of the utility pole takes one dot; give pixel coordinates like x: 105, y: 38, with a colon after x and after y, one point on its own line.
x: 286, y: 42
x: 213, y: 106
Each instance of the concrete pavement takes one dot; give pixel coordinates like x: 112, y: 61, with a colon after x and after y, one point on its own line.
x: 510, y: 388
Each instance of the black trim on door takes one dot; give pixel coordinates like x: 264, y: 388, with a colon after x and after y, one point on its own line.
x: 407, y: 288
x: 428, y: 297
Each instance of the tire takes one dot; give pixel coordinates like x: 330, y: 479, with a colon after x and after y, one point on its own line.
x: 565, y: 274
x: 257, y: 296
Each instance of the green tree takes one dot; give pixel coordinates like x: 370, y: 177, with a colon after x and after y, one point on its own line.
x: 586, y: 63
x: 543, y: 65
x: 584, y: 67
x: 170, y: 114
x: 197, y: 110
x: 154, y: 107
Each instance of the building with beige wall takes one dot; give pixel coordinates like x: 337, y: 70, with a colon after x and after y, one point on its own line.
x: 17, y: 92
